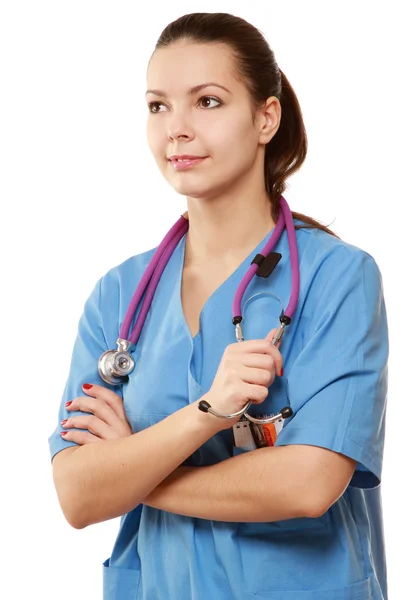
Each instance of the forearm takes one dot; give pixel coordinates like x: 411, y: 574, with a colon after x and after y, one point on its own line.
x: 109, y: 478
x: 267, y: 484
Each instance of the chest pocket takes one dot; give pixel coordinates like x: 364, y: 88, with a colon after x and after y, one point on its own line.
x: 141, y: 422
x: 158, y: 385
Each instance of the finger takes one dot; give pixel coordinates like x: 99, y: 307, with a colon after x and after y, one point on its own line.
x: 95, y: 406
x: 259, y: 361
x: 270, y: 337
x: 94, y: 425
x: 80, y: 437
x: 257, y: 376
x: 276, y: 354
x: 111, y: 398
x: 255, y: 392
x: 259, y: 347
x: 278, y: 359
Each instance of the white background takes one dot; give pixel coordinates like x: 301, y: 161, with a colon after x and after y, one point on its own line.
x: 74, y: 160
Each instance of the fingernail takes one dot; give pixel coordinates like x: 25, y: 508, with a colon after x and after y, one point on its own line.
x: 87, y: 386
x: 67, y: 404
x: 63, y: 422
x: 64, y: 432
x: 281, y: 372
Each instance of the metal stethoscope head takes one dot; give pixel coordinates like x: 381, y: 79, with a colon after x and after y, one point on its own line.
x: 115, y: 365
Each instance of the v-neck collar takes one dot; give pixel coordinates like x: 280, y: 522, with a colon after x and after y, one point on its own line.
x: 235, y: 277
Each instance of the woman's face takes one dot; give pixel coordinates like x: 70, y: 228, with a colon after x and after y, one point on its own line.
x: 219, y: 128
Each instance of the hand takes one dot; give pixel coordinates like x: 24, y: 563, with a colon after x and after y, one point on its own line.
x: 106, y: 422
x: 246, y: 371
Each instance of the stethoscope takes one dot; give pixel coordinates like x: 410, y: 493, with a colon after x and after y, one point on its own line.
x: 115, y: 365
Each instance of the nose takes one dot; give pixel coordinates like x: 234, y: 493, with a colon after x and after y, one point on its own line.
x: 178, y: 127
x: 176, y: 135
x: 178, y: 132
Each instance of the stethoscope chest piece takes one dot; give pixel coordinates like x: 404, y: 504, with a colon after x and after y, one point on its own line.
x: 115, y: 365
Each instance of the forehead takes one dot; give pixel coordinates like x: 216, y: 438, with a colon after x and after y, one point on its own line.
x: 178, y: 67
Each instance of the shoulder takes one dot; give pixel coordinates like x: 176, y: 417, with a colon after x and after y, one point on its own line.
x: 114, y: 289
x: 333, y: 274
x: 127, y: 272
x: 321, y: 252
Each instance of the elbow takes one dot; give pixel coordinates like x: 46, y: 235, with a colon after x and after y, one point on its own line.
x: 308, y: 505
x: 78, y: 513
x: 79, y: 525
x: 73, y: 509
x: 315, y: 511
x: 70, y: 509
x: 316, y: 505
x: 68, y: 493
x: 73, y: 521
x: 74, y: 513
x: 321, y: 502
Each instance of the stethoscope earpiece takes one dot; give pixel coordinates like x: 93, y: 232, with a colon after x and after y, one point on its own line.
x: 285, y: 413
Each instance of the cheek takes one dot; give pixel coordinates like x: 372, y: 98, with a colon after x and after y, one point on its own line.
x: 149, y: 134
x: 235, y: 152
x: 232, y: 140
x: 155, y: 141
x: 158, y: 151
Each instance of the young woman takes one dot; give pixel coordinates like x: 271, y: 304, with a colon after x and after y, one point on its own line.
x: 204, y: 516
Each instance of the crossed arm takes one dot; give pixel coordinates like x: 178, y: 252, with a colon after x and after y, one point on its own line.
x: 267, y: 484
x: 99, y: 481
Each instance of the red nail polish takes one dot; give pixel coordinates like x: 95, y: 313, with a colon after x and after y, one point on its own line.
x: 87, y: 386
x: 67, y: 404
x: 281, y: 372
x: 64, y: 432
x: 63, y: 422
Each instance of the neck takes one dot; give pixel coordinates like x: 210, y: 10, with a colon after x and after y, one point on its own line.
x: 225, y: 232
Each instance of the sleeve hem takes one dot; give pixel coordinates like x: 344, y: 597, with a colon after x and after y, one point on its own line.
x: 57, y: 443
x: 369, y: 470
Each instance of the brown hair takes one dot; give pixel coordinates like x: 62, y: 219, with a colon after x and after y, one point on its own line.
x: 257, y: 69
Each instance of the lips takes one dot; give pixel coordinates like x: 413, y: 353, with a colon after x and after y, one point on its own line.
x: 185, y: 158
x: 181, y: 165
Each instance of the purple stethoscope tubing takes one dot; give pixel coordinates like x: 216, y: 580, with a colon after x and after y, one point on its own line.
x: 114, y: 365
x: 163, y: 254
x: 154, y: 270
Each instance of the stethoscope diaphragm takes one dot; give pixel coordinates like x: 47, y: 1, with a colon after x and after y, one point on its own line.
x: 115, y: 365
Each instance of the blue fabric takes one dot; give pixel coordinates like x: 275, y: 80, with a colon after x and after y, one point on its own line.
x: 335, y: 356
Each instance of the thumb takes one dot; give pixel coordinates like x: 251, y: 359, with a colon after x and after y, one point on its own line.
x: 270, y: 336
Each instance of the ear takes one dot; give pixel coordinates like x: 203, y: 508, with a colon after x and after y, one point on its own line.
x: 271, y: 116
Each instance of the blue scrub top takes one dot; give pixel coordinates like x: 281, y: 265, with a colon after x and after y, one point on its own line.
x: 335, y: 355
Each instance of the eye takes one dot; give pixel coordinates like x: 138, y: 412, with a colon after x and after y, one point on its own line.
x: 152, y: 104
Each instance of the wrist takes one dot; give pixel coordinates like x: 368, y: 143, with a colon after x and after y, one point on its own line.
x: 205, y: 419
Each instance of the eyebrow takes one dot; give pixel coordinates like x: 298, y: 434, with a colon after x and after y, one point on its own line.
x: 193, y: 90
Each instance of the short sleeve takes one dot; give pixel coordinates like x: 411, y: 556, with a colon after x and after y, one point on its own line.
x: 89, y: 345
x: 337, y: 384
